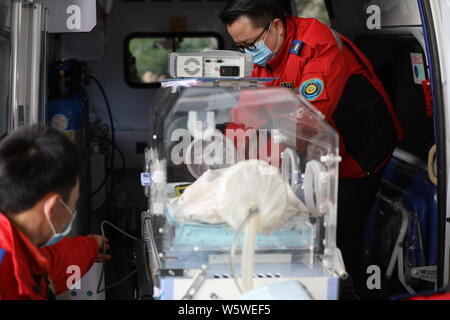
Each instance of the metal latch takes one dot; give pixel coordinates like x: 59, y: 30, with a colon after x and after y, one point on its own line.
x: 196, y: 283
x: 428, y: 273
x: 171, y: 273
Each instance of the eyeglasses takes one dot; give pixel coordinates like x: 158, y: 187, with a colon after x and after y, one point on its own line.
x: 250, y: 46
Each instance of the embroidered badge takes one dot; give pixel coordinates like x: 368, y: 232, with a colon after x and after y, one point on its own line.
x: 296, y: 47
x: 2, y: 254
x: 311, y: 89
x: 289, y: 85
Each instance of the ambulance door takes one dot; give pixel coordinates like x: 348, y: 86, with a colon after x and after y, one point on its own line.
x: 435, y: 16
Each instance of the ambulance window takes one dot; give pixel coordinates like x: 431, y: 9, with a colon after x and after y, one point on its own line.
x: 146, y: 55
x: 312, y: 9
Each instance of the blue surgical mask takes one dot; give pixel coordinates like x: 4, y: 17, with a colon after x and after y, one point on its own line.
x: 262, y: 54
x: 56, y: 237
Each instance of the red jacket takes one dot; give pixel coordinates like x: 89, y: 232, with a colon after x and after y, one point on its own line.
x: 26, y: 271
x: 437, y: 296
x: 335, y: 76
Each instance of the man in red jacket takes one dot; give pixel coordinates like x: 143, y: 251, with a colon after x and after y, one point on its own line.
x: 329, y: 71
x: 39, y: 173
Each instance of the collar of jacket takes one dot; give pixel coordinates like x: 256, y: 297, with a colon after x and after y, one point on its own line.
x: 28, y: 262
x: 283, y: 54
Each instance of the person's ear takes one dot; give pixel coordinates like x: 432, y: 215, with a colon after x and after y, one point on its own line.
x: 279, y: 26
x: 50, y: 203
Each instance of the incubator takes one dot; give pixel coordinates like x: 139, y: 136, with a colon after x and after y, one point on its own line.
x: 241, y: 183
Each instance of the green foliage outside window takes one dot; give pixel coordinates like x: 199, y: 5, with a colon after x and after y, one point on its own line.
x: 151, y: 55
x: 312, y: 9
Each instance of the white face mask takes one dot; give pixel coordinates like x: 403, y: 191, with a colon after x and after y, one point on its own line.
x: 56, y: 237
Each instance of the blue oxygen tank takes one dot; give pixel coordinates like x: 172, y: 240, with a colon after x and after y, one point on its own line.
x: 66, y: 114
x: 67, y: 104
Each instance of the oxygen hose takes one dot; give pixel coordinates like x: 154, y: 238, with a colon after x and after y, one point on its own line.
x: 243, y: 225
x: 102, y: 228
x: 248, y: 252
x: 111, y: 121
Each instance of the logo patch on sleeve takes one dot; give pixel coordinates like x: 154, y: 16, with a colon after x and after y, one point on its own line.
x: 311, y: 89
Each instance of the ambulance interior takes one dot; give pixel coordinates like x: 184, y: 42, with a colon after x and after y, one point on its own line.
x: 123, y: 81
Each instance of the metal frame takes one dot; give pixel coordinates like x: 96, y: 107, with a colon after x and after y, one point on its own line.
x: 432, y: 20
x: 28, y: 64
x: 15, y: 31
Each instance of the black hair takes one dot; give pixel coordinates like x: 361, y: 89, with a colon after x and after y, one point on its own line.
x: 35, y: 161
x: 260, y: 12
